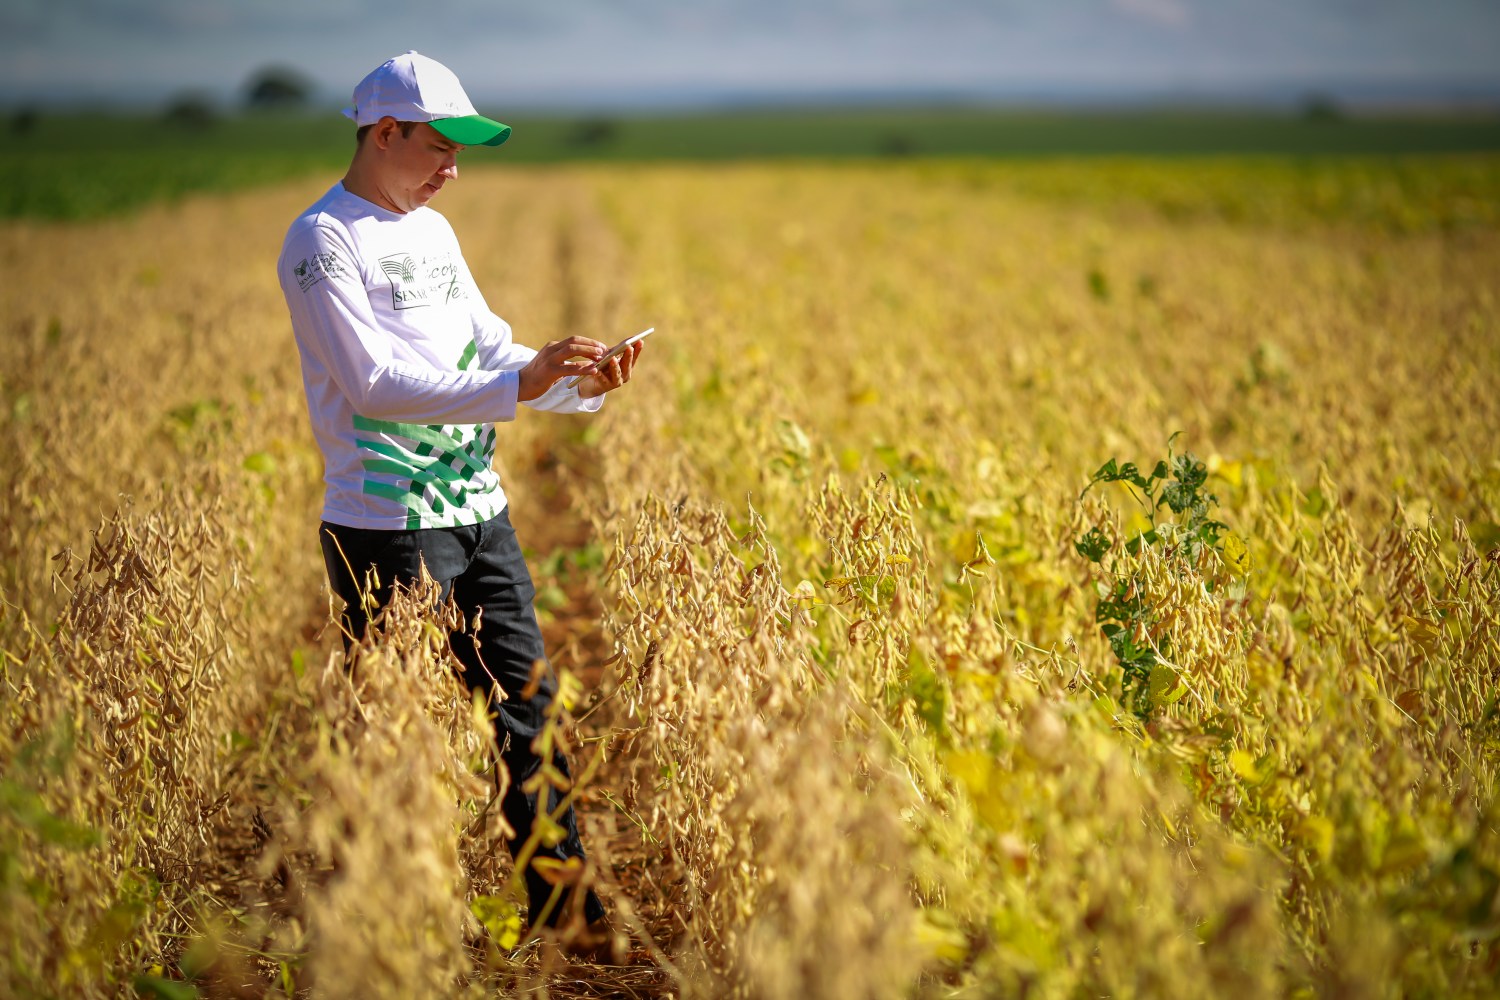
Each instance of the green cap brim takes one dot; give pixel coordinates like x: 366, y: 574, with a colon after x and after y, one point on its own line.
x: 472, y: 130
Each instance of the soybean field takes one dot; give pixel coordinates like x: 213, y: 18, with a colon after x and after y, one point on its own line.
x: 1049, y: 577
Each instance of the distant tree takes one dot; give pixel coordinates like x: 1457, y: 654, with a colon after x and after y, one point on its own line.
x: 896, y: 144
x: 277, y: 88
x: 593, y: 132
x: 1321, y: 108
x: 192, y: 111
x: 24, y: 120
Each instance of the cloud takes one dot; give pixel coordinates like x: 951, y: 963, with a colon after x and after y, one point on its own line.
x: 1168, y: 13
x: 537, y: 49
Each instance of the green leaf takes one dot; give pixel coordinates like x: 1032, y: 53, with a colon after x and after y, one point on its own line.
x: 200, y: 957
x: 1178, y: 496
x: 1485, y: 535
x: 1093, y: 544
x: 27, y: 809
x: 164, y: 989
x: 1144, y: 538
x: 1098, y: 285
x: 115, y: 926
x: 588, y: 556
x: 550, y: 598
x: 261, y: 463
x: 928, y: 693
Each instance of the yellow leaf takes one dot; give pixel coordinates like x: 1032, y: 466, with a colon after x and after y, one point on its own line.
x: 1163, y: 680
x: 793, y: 438
x: 1410, y: 702
x: 1404, y: 853
x: 990, y: 510
x: 1236, y: 554
x: 479, y: 710
x: 1424, y: 631
x: 936, y: 934
x: 1316, y: 832
x: 960, y: 544
x: 972, y: 770
x: 984, y: 683
x: 976, y: 772
x: 566, y: 872
x: 1418, y: 513
x: 500, y: 917
x: 1232, y: 473
x: 549, y: 831
x: 569, y: 689
x: 1242, y: 763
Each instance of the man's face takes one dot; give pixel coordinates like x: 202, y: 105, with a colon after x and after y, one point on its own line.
x: 415, y: 167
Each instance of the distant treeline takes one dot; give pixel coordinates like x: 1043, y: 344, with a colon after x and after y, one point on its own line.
x: 77, y: 166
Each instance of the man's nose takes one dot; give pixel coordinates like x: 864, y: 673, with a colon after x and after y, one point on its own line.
x: 450, y: 170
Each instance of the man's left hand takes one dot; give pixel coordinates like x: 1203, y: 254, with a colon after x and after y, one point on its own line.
x: 614, y: 373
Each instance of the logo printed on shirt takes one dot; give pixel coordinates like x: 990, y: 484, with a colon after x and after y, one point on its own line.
x: 311, y: 270
x: 431, y: 280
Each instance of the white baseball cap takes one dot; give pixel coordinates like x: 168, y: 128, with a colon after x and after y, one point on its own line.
x: 414, y: 88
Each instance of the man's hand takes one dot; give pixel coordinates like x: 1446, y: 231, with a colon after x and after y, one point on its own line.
x: 559, y: 359
x: 615, y: 373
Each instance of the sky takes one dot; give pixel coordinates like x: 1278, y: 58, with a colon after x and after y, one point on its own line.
x: 621, y: 52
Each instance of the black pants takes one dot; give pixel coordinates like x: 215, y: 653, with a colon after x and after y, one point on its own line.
x: 482, y: 568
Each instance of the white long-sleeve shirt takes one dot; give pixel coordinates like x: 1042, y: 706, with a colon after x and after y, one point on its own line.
x: 406, y: 369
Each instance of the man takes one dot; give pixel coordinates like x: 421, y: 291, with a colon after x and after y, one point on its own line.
x: 407, y: 373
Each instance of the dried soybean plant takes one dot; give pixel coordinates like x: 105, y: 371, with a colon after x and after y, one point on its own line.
x: 367, y: 839
x: 115, y: 737
x: 780, y: 845
x: 180, y: 774
x: 1307, y: 802
x: 863, y: 716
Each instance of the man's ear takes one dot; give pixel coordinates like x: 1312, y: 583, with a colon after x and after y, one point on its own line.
x: 384, y: 132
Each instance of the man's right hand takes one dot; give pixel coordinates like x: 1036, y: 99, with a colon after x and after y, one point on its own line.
x: 559, y: 359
